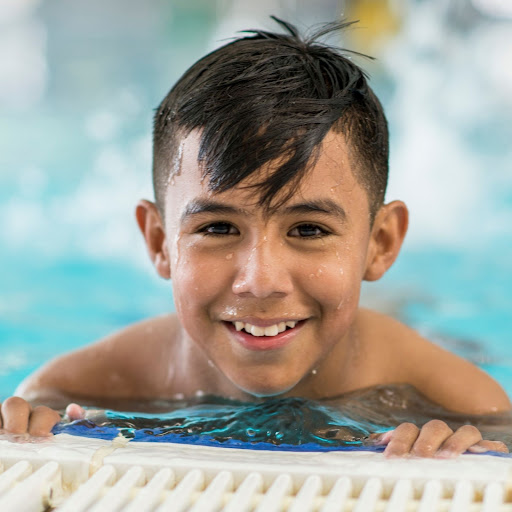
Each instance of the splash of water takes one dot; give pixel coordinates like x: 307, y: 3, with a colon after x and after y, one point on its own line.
x: 283, y: 423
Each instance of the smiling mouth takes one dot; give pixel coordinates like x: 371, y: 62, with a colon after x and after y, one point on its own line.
x: 271, y: 330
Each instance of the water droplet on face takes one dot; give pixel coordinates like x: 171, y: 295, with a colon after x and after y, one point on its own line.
x: 199, y: 392
x: 176, y: 247
x: 311, y: 276
x: 229, y: 256
x: 314, y: 372
x: 210, y: 363
x: 179, y: 396
x: 176, y: 167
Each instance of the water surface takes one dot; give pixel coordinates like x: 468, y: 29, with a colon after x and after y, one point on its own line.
x: 280, y: 423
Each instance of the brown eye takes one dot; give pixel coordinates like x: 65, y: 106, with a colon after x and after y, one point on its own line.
x: 219, y: 228
x: 307, y: 231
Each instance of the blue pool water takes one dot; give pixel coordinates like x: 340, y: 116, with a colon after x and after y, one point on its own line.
x: 284, y: 424
x: 348, y: 422
x: 76, y: 156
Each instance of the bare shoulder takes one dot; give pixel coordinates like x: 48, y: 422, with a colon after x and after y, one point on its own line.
x: 442, y: 376
x: 124, y: 364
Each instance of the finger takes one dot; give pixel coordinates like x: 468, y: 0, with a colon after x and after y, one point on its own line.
x: 402, y: 440
x: 465, y: 437
x: 75, y: 412
x: 432, y: 435
x: 15, y: 414
x: 488, y: 446
x: 380, y: 439
x: 42, y: 420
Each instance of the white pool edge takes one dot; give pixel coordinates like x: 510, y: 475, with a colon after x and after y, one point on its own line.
x: 67, y: 463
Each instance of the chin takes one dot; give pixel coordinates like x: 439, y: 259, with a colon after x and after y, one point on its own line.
x: 264, y: 391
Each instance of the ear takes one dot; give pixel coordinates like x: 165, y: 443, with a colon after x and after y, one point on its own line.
x: 152, y: 229
x: 388, y: 233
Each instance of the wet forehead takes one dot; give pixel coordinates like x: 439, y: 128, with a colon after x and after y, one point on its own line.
x: 329, y: 187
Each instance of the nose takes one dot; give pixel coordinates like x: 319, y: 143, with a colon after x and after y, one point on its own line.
x: 263, y: 271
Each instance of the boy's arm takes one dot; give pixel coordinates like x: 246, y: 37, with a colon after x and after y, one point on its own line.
x: 122, y: 365
x: 457, y: 384
x: 398, y: 354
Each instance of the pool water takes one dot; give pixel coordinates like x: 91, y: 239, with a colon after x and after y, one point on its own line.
x: 345, y: 422
x: 283, y: 423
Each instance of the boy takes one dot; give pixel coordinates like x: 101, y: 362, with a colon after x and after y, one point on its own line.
x: 270, y: 168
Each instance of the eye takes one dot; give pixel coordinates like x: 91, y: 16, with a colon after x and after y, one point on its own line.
x: 219, y: 229
x: 307, y: 231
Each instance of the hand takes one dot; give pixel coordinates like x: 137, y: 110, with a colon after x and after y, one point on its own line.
x: 18, y: 417
x: 435, y: 439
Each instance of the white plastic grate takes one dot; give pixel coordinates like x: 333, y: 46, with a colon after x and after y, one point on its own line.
x: 75, y: 474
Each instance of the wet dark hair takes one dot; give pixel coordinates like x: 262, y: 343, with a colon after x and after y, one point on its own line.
x: 269, y: 96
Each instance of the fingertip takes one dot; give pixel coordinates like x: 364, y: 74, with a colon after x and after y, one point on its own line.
x: 386, y: 437
x: 477, y: 449
x: 380, y: 439
x: 393, y: 454
x: 75, y: 412
x: 446, y: 454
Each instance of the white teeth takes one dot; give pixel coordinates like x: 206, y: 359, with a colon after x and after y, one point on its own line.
x: 255, y: 330
x: 271, y: 330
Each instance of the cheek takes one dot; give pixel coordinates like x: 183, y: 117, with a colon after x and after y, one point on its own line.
x: 336, y: 284
x: 197, y: 281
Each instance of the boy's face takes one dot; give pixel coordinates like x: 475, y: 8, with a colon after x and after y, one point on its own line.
x: 293, y: 275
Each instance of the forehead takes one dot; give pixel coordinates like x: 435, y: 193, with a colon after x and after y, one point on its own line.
x: 332, y: 177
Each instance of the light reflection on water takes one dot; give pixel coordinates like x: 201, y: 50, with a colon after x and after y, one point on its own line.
x: 280, y: 423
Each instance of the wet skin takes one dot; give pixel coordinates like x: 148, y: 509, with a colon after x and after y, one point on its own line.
x: 232, y: 261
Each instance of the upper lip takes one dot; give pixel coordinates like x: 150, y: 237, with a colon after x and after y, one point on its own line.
x: 263, y: 322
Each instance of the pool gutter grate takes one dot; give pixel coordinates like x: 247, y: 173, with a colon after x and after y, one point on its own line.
x: 69, y: 474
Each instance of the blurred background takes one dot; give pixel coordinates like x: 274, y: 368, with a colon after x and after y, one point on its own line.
x: 79, y: 82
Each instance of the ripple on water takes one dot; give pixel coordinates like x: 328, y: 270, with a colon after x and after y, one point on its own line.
x: 292, y: 423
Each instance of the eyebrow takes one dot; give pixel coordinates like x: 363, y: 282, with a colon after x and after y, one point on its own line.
x: 323, y: 206
x: 198, y: 206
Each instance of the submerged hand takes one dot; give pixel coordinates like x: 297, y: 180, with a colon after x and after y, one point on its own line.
x: 18, y: 417
x: 436, y: 439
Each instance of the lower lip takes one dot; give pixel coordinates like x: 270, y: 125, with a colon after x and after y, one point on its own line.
x: 262, y: 343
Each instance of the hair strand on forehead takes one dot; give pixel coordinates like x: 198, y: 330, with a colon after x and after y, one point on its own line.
x: 272, y: 97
